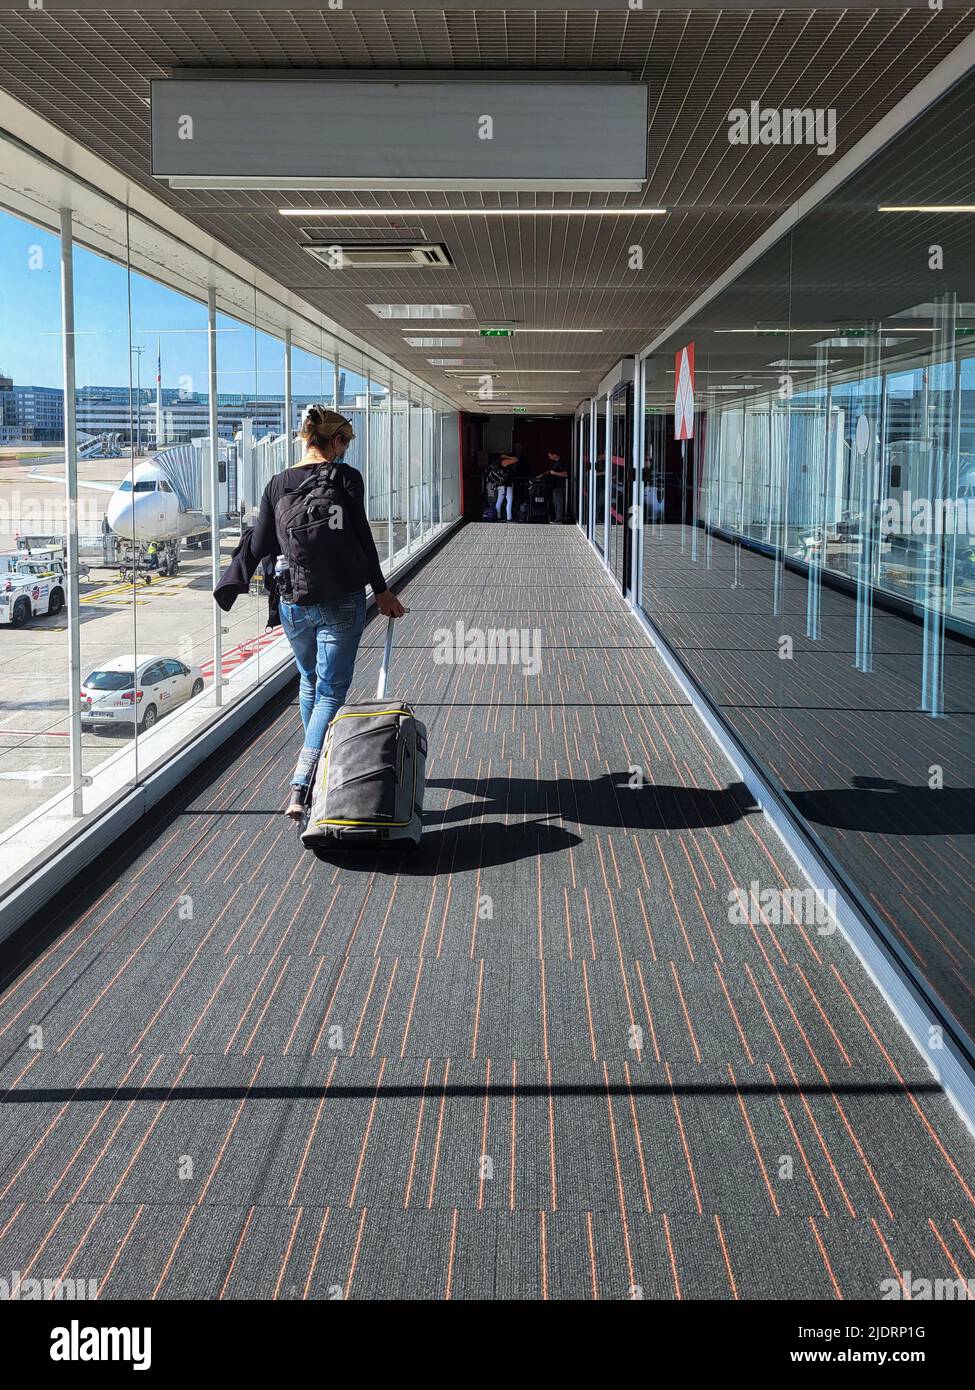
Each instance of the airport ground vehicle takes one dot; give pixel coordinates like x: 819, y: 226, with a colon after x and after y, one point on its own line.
x: 136, y: 690
x: 26, y: 595
x: 34, y: 585
x: 49, y: 562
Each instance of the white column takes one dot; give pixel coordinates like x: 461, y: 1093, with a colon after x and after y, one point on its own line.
x: 218, y: 681
x: 366, y: 447
x: 441, y: 422
x: 389, y: 450
x: 607, y: 473
x: 71, y: 514
x: 288, y: 412
x: 408, y: 509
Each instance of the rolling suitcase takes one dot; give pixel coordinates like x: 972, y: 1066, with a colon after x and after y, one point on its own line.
x: 368, y: 787
x: 538, y: 503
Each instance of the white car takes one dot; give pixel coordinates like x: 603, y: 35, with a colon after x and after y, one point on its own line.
x: 137, y: 691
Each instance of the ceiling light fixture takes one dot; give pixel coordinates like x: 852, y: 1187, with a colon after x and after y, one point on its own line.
x: 931, y: 207
x: 472, y: 212
x: 518, y: 371
x: 775, y: 330
x: 469, y: 333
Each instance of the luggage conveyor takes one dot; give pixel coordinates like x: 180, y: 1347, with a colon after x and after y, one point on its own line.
x: 535, y: 1058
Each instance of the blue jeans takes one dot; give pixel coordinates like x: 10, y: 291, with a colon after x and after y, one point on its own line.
x: 505, y: 491
x: 325, y: 639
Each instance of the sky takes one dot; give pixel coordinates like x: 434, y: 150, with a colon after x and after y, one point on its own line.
x: 30, y: 327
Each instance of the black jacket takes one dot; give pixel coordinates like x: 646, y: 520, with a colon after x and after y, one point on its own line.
x: 260, y: 541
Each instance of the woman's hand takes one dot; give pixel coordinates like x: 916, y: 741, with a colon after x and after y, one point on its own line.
x: 389, y: 605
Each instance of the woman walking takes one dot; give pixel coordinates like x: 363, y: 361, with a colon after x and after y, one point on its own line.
x: 324, y: 632
x: 506, y: 493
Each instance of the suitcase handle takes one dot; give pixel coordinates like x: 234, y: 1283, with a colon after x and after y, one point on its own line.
x: 387, y: 659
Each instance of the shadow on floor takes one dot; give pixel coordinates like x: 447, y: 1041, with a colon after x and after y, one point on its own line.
x: 879, y: 805
x: 457, y: 849
x: 608, y: 801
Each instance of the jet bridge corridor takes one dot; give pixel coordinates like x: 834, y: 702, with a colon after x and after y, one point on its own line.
x: 594, y: 1039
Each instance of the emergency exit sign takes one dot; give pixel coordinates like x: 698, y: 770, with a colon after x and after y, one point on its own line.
x: 496, y: 332
x: 520, y: 409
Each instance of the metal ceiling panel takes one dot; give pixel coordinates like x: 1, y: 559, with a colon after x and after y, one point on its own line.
x: 87, y: 68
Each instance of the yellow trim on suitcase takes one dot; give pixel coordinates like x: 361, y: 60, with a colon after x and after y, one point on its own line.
x: 371, y: 714
x: 389, y: 824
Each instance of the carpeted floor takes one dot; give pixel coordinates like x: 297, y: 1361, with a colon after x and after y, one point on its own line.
x: 539, y: 1058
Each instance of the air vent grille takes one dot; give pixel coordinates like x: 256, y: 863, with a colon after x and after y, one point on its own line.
x: 377, y: 255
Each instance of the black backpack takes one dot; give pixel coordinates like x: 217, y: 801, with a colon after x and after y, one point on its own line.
x: 315, y: 532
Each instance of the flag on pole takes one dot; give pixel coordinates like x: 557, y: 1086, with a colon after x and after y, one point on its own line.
x: 159, y: 415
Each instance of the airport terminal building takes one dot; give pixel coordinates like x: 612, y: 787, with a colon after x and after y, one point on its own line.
x: 650, y: 330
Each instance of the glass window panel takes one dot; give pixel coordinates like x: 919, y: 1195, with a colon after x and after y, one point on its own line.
x: 119, y: 605
x: 352, y: 403
x: 401, y: 467
x: 599, y: 478
x: 312, y: 373
x: 143, y: 402
x: 812, y: 562
x: 380, y: 444
x: 34, y: 754
x: 243, y: 452
x: 174, y: 610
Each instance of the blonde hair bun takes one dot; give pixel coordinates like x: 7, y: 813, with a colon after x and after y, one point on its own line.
x: 320, y: 424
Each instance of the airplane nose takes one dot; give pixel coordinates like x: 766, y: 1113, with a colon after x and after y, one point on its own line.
x: 120, y: 517
x: 136, y: 517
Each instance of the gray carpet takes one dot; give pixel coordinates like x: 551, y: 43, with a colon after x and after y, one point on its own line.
x: 536, y: 1059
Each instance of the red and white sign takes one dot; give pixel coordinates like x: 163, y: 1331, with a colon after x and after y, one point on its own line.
x: 684, y: 393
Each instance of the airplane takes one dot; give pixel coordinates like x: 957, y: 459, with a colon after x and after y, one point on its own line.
x: 144, y: 508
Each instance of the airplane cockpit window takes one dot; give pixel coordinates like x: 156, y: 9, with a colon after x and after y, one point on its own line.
x: 125, y: 485
x: 146, y: 485
x: 164, y: 486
